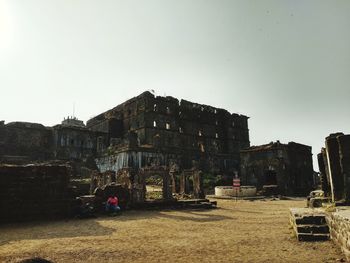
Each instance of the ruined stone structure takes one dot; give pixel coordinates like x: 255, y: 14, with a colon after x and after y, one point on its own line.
x: 289, y: 166
x: 154, y: 131
x: 35, y: 192
x: 334, y: 166
x: 323, y: 168
x: 144, y: 131
x: 22, y: 142
x: 178, y: 140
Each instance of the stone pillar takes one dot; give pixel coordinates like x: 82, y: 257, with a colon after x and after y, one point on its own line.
x: 332, y: 147
x: 173, y: 182
x: 323, y: 175
x: 344, y: 158
x: 167, y: 193
x: 326, y: 168
x: 184, y: 183
x: 93, y: 181
x: 198, y: 184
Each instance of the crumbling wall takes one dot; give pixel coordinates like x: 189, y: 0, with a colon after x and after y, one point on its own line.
x: 163, y: 124
x: 191, y: 181
x: 73, y: 143
x: 128, y: 184
x: 300, y: 168
x: 265, y: 165
x: 35, y: 192
x: 289, y: 166
x: 22, y: 141
x: 134, y: 181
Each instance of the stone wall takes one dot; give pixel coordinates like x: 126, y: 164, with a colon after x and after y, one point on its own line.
x: 339, y: 224
x: 25, y: 141
x: 35, y: 192
x: 74, y: 142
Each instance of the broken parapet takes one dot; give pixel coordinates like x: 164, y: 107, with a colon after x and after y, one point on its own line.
x: 35, y: 192
x: 339, y: 223
x: 309, y: 224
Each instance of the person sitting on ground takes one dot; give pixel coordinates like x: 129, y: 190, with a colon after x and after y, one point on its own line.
x: 112, y: 205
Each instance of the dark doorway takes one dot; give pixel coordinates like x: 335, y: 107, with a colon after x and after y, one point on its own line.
x: 270, y: 177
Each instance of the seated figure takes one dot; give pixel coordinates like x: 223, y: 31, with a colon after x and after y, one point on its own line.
x: 112, y: 205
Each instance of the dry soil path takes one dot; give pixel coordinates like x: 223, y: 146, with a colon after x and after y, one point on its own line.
x: 240, y: 231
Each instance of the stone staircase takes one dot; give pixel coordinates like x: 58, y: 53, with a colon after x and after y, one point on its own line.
x: 309, y: 224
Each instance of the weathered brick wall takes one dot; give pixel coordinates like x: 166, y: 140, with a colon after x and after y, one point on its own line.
x: 34, y: 192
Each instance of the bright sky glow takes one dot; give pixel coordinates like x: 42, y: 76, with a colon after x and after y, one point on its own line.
x: 284, y: 63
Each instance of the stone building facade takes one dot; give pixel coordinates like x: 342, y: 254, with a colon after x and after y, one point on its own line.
x: 288, y: 166
x: 150, y: 130
x: 23, y: 142
x: 144, y: 131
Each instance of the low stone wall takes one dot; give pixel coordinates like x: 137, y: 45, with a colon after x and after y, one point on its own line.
x: 35, y: 192
x: 339, y: 224
x: 244, y: 191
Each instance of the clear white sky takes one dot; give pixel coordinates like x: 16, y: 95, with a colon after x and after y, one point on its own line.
x: 286, y: 64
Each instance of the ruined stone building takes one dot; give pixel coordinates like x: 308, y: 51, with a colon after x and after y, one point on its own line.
x: 334, y: 166
x: 288, y: 166
x: 23, y: 142
x: 155, y: 131
x: 145, y: 136
x: 144, y: 131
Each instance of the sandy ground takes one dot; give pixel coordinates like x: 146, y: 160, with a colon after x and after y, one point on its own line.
x: 240, y: 231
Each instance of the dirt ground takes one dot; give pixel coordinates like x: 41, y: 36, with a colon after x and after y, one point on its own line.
x: 242, y: 231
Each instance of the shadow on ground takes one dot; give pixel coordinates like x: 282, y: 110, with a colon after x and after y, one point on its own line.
x: 92, y: 227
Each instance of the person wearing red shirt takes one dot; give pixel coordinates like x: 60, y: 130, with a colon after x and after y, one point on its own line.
x: 112, y: 205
